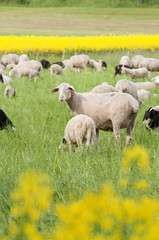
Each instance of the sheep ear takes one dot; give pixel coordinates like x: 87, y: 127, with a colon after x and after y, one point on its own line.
x: 71, y: 88
x: 55, y: 90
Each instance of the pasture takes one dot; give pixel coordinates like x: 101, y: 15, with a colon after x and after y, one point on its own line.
x: 40, y: 120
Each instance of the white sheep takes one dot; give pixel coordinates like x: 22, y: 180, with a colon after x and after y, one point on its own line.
x: 5, y: 79
x: 32, y: 64
x: 79, y: 129
x: 104, y: 88
x: 23, y: 57
x: 136, y: 60
x: 68, y: 64
x: 11, y: 66
x: 129, y: 87
x: 10, y: 58
x: 147, y: 85
x: 152, y: 64
x: 56, y: 69
x: 9, y: 91
x: 27, y: 72
x: 125, y: 61
x: 96, y: 65
x: 110, y: 111
x: 136, y: 73
x: 143, y: 94
x: 80, y: 61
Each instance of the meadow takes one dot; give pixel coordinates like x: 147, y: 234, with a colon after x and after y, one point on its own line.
x: 40, y: 118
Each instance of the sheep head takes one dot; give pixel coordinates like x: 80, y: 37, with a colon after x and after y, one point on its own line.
x: 65, y: 91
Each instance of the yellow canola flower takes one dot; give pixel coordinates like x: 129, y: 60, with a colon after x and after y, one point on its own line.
x: 55, y: 44
x: 142, y: 184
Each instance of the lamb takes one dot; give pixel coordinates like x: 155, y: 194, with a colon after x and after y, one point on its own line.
x: 29, y: 73
x: 136, y: 60
x: 147, y: 85
x: 5, y: 121
x: 10, y: 58
x: 110, y: 111
x: 56, y: 69
x: 9, y: 91
x: 104, y: 88
x: 151, y: 64
x: 5, y: 79
x: 125, y: 61
x: 79, y: 129
x: 129, y: 87
x: 45, y: 64
x: 136, y: 73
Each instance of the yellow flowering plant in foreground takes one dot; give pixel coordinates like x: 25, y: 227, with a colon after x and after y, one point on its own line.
x: 55, y: 44
x: 100, y: 216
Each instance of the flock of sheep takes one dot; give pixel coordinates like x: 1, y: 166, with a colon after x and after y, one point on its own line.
x: 105, y: 108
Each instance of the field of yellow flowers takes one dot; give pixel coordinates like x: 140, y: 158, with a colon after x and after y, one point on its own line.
x: 57, y: 44
x: 101, y: 216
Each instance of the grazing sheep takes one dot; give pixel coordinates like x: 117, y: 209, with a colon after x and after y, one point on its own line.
x: 96, y: 65
x: 118, y: 68
x: 13, y: 71
x: 125, y: 61
x: 32, y: 64
x: 129, y: 87
x: 104, y: 88
x: 27, y: 72
x: 80, y: 61
x: 11, y: 66
x: 136, y: 60
x: 79, y: 129
x: 151, y: 118
x: 147, y: 85
x: 103, y: 64
x: 23, y: 57
x: 46, y: 64
x: 9, y: 91
x: 136, y: 73
x: 10, y: 58
x: 151, y: 64
x: 110, y: 111
x: 56, y: 69
x: 5, y: 121
x: 5, y: 79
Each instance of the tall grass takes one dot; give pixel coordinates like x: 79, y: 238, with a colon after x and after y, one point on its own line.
x: 82, y: 3
x: 40, y: 120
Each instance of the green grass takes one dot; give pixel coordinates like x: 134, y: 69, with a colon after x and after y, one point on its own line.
x: 40, y: 120
x: 78, y: 21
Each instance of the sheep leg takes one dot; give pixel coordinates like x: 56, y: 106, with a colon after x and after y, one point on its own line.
x: 130, y: 129
x: 116, y: 131
x: 35, y: 79
x: 97, y: 136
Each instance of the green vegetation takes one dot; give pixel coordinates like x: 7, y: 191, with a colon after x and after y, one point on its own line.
x: 83, y: 3
x: 40, y: 120
x: 78, y: 21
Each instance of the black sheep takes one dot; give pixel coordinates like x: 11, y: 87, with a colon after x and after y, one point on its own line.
x: 5, y: 121
x: 45, y: 63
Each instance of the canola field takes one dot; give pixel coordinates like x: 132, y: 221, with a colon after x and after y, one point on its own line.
x: 55, y: 44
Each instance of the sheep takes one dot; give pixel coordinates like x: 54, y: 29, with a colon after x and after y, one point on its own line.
x: 56, y: 69
x: 136, y: 60
x: 96, y: 65
x: 5, y: 121
x: 103, y: 64
x: 32, y: 64
x: 151, y: 118
x: 136, y: 73
x: 9, y: 91
x: 2, y: 66
x: 143, y: 94
x: 23, y: 57
x: 104, y: 88
x: 147, y: 85
x: 79, y: 129
x: 59, y: 63
x: 46, y: 64
x: 29, y: 73
x: 11, y: 66
x: 9, y: 58
x: 2, y: 72
x: 80, y: 61
x: 118, y: 68
x: 110, y: 111
x: 151, y: 64
x: 68, y: 64
x: 125, y: 61
x: 129, y: 87
x: 13, y: 71
x: 5, y: 79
